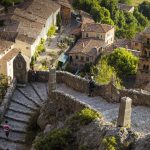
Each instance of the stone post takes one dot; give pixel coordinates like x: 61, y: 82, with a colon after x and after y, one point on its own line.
x: 52, y: 80
x: 124, y: 116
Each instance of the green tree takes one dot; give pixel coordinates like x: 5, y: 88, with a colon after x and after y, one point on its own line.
x: 107, y: 20
x: 144, y: 8
x: 103, y: 73
x: 10, y: 2
x: 129, y: 2
x: 124, y: 62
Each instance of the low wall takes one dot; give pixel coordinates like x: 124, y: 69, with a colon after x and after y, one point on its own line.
x: 139, y: 97
x: 109, y: 91
x: 6, y: 102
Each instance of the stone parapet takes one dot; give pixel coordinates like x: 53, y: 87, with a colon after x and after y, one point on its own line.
x: 7, y: 99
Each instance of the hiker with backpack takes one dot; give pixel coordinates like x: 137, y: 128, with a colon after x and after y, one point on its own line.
x: 6, y: 128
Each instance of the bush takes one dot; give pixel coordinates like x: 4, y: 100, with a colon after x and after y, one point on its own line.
x: 110, y: 143
x: 51, y: 31
x: 104, y: 73
x: 85, y: 116
x: 3, y: 86
x: 59, y: 139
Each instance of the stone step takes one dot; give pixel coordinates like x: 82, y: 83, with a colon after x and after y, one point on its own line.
x: 19, y: 116
x: 24, y: 104
x: 20, y: 98
x: 35, y: 90
x: 31, y: 93
x: 10, y: 117
x: 13, y: 136
x: 40, y: 88
x: 20, y: 107
x: 5, y: 144
x: 17, y: 126
x: 25, y: 94
x: 19, y: 111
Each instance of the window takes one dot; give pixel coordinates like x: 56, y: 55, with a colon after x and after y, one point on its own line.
x: 148, y: 40
x: 87, y: 35
x: 87, y: 58
x: 82, y: 58
x: 136, y: 44
x: 77, y: 57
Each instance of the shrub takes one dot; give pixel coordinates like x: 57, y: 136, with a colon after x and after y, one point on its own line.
x: 110, y: 143
x: 3, y: 86
x: 59, y: 139
x: 85, y: 116
x: 51, y: 31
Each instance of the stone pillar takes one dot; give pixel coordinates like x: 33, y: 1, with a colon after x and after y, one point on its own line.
x: 124, y: 116
x: 52, y: 80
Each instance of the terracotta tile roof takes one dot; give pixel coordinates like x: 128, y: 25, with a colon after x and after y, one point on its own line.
x: 4, y: 45
x: 95, y: 27
x: 87, y: 46
x: 8, y: 36
x: 25, y: 38
x: 124, y: 7
x: 86, y: 18
x: 9, y: 56
x: 147, y: 30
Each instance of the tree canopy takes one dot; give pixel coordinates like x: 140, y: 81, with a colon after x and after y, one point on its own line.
x: 124, y: 62
x: 144, y: 8
x: 106, y: 11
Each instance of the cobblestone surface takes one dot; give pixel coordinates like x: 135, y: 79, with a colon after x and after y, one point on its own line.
x: 140, y: 115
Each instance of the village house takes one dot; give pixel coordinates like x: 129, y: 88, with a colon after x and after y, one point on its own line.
x: 126, y: 8
x: 95, y: 39
x: 102, y: 32
x: 6, y: 63
x: 32, y: 24
x: 85, y: 51
x: 143, y: 74
x: 23, y: 30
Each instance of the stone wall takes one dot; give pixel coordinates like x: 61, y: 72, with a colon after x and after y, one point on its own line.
x: 109, y: 91
x: 7, y: 99
x: 139, y: 97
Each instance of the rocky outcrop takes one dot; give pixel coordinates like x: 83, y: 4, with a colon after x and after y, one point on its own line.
x: 143, y: 143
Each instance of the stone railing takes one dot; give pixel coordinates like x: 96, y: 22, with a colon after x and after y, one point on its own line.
x: 109, y: 91
x: 7, y: 99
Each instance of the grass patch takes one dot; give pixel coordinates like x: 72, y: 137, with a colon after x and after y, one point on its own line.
x: 84, y: 117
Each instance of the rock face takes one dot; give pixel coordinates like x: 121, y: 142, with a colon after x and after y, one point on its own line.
x: 143, y: 143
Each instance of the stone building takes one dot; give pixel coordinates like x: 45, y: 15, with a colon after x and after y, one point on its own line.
x: 65, y: 11
x: 102, y: 32
x: 6, y: 63
x: 31, y: 23
x: 143, y: 74
x: 85, y: 51
x: 95, y: 38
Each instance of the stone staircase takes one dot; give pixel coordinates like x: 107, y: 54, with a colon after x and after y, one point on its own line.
x: 24, y: 102
x: 29, y: 99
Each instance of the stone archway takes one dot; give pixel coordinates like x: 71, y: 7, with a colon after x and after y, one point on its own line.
x: 20, y: 69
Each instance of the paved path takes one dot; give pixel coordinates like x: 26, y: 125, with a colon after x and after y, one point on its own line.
x: 24, y: 102
x: 140, y: 114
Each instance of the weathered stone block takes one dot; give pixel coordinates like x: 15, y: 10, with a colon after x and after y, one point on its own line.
x: 124, y: 116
